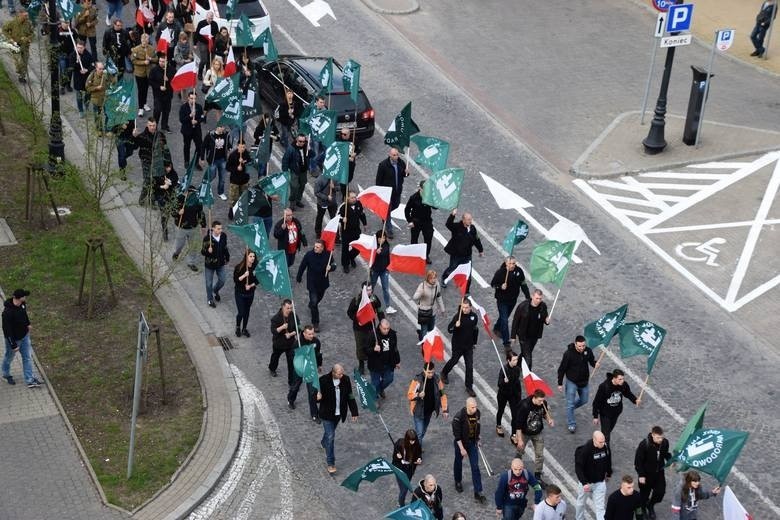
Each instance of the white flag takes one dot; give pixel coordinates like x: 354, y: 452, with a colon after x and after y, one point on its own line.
x: 732, y: 509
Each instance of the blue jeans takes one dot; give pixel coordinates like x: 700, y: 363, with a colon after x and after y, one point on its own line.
x: 121, y: 153
x: 421, y: 425
x: 575, y: 397
x: 25, y: 349
x: 513, y: 511
x: 425, y: 328
x: 114, y: 10
x: 757, y: 37
x: 381, y: 379
x: 384, y: 276
x: 502, y: 324
x: 316, y: 155
x: 219, y: 166
x: 473, y: 453
x: 327, y: 442
x: 210, y: 287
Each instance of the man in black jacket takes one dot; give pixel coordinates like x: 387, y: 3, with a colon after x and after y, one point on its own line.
x: 116, y: 45
x: 508, y: 281
x: 608, y: 403
x: 296, y: 161
x: 593, y: 466
x: 82, y: 63
x: 392, y: 172
x: 418, y: 216
x: 364, y: 333
x: 651, y: 456
x: 335, y: 388
x: 464, y: 328
x: 160, y: 76
x: 188, y: 216
x: 283, y: 341
x: 154, y: 154
x: 528, y: 424
x: 317, y: 282
x: 353, y: 220
x: 16, y: 332
x: 528, y: 325
x: 383, y: 357
x: 191, y: 116
x: 354, y: 151
x: 465, y: 430
x: 764, y: 19
x: 216, y: 257
x: 574, y: 365
x: 216, y: 147
x: 205, y: 40
x: 464, y: 239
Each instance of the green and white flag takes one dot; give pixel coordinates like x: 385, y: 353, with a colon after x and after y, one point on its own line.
x: 694, y: 423
x: 187, y: 180
x: 266, y: 40
x: 303, y: 121
x: 205, y: 194
x: 442, y: 189
x: 305, y: 363
x: 326, y: 77
x: 248, y: 204
x: 230, y: 9
x: 374, y: 469
x: 250, y: 101
x: 277, y: 184
x: 401, y: 129
x: 365, y: 391
x: 432, y: 152
x: 516, y: 234
x: 600, y: 332
x: 254, y: 236
x: 350, y: 79
x: 233, y: 113
x: 69, y: 9
x: 224, y: 90
x: 244, y: 32
x: 272, y: 274
x: 121, y: 103
x: 322, y: 124
x: 263, y: 151
x: 642, y: 338
x: 336, y: 164
x: 417, y: 510
x: 550, y: 261
x: 712, y: 451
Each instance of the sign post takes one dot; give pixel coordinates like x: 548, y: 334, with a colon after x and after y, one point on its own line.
x: 140, y: 358
x: 724, y: 38
x: 658, y: 33
x: 769, y: 32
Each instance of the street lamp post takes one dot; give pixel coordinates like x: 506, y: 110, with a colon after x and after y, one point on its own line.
x: 56, y: 146
x: 654, y: 142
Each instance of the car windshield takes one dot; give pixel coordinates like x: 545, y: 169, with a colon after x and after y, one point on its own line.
x: 251, y: 8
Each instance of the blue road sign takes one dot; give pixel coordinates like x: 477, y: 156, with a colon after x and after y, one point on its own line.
x: 680, y: 17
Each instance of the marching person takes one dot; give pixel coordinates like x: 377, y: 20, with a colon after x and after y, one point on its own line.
x: 508, y: 281
x: 463, y: 240
x: 317, y: 282
x: 426, y: 396
x: 528, y: 425
x: 16, y: 333
x: 608, y: 403
x: 364, y: 334
x: 510, y: 389
x: 528, y: 325
x: 553, y: 507
x: 428, y: 297
x: 419, y: 220
x: 267, y: 121
x: 650, y: 458
x: 624, y: 502
x: 216, y: 257
x: 238, y: 178
x: 383, y: 358
x: 163, y: 195
x: 378, y: 270
x: 391, y: 172
x: 289, y: 235
x: 593, y: 466
x: 86, y: 25
x: 143, y: 56
x: 574, y: 366
x: 430, y: 493
x: 98, y: 82
x: 308, y: 337
x: 191, y: 117
x: 153, y: 153
x: 204, y: 38
x: 354, y: 151
x: 284, y: 336
x: 352, y: 218
x: 216, y: 146
x: 687, y: 494
x: 160, y: 76
x: 512, y: 491
x: 465, y: 429
x: 188, y: 216
x: 245, y: 283
x: 326, y: 190
x: 464, y: 328
x: 82, y: 63
x: 407, y: 455
x: 296, y: 161
x: 334, y: 397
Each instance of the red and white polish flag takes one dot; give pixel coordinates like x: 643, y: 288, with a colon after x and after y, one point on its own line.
x: 433, y: 345
x: 365, y: 313
x: 230, y: 64
x: 185, y: 77
x: 408, y: 259
x: 532, y: 382
x: 377, y: 200
x: 330, y: 232
x: 460, y: 277
x: 366, y: 246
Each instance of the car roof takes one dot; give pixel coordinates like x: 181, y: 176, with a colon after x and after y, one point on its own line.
x: 311, y: 67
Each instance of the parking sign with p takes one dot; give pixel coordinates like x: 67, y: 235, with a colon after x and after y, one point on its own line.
x: 680, y: 17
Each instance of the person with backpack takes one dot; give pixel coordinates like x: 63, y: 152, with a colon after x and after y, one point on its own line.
x: 527, y: 426
x: 512, y: 491
x: 650, y: 458
x: 593, y: 466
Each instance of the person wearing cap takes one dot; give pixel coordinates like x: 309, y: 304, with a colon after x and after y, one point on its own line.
x: 16, y: 331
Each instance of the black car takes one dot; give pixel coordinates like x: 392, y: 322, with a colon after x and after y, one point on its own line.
x: 301, y: 74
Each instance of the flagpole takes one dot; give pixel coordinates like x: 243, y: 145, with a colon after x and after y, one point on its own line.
x: 386, y: 429
x: 506, y: 378
x: 183, y: 204
x: 484, y: 461
x: 598, y: 363
x: 547, y: 411
x: 554, y: 302
x: 295, y: 322
x: 644, y: 385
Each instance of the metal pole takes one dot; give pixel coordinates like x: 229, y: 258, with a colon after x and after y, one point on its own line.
x: 139, y: 355
x: 56, y: 146
x: 769, y: 32
x: 654, y: 142
x: 706, y: 89
x: 649, y: 80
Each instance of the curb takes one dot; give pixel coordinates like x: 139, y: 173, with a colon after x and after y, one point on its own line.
x: 381, y: 10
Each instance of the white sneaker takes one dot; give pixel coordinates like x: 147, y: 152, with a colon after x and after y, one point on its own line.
x: 108, y: 21
x: 223, y: 197
x: 146, y: 108
x: 390, y: 310
x: 140, y: 112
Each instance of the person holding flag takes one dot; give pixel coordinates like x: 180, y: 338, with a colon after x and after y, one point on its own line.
x: 326, y: 191
x: 608, y: 403
x: 383, y: 357
x: 163, y: 194
x: 426, y: 396
x: 335, y: 397
x: 354, y: 150
x: 216, y: 256
x: 510, y: 389
x: 205, y: 33
x: 296, y: 161
x: 428, y: 296
x: 392, y: 172
x: 308, y: 337
x: 98, y: 82
x: 507, y: 281
x: 464, y: 328
x: 363, y: 310
x: 116, y: 44
x: 265, y: 134
x: 419, y: 220
x: 379, y: 269
x: 237, y: 165
x: 188, y: 216
x: 289, y: 234
x: 244, y: 282
x: 86, y: 25
x: 574, y: 366
x: 284, y: 333
x: 464, y: 239
x: 191, y: 117
x: 317, y: 282
x: 528, y: 324
x: 287, y: 114
x: 528, y: 424
x: 687, y: 494
x: 160, y: 76
x: 153, y: 153
x: 216, y: 147
x: 168, y: 30
x: 352, y: 218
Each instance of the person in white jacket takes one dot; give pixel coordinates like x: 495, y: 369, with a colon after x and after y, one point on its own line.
x: 553, y: 507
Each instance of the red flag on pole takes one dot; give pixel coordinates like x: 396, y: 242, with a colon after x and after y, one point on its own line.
x: 330, y: 232
x: 408, y: 259
x: 366, y: 246
x: 433, y: 346
x: 460, y: 277
x: 365, y: 313
x: 532, y: 382
x: 205, y: 31
x: 230, y: 64
x: 483, y: 315
x: 376, y: 199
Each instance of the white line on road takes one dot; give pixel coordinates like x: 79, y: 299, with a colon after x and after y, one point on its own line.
x: 687, y: 176
x: 701, y: 227
x: 720, y: 165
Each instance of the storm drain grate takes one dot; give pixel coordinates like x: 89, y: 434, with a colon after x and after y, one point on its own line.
x: 226, y: 343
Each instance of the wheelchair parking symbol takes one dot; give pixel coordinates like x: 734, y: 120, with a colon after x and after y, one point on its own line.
x: 700, y: 251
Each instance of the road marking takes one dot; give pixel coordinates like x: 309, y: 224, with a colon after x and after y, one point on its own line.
x: 686, y: 176
x: 705, y: 248
x: 717, y: 165
x: 701, y: 227
x: 314, y: 11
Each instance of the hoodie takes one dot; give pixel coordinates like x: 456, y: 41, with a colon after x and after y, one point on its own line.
x: 575, y: 366
x: 650, y: 458
x: 513, y: 491
x: 592, y: 464
x: 432, y: 500
x: 609, y: 398
x: 15, y: 321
